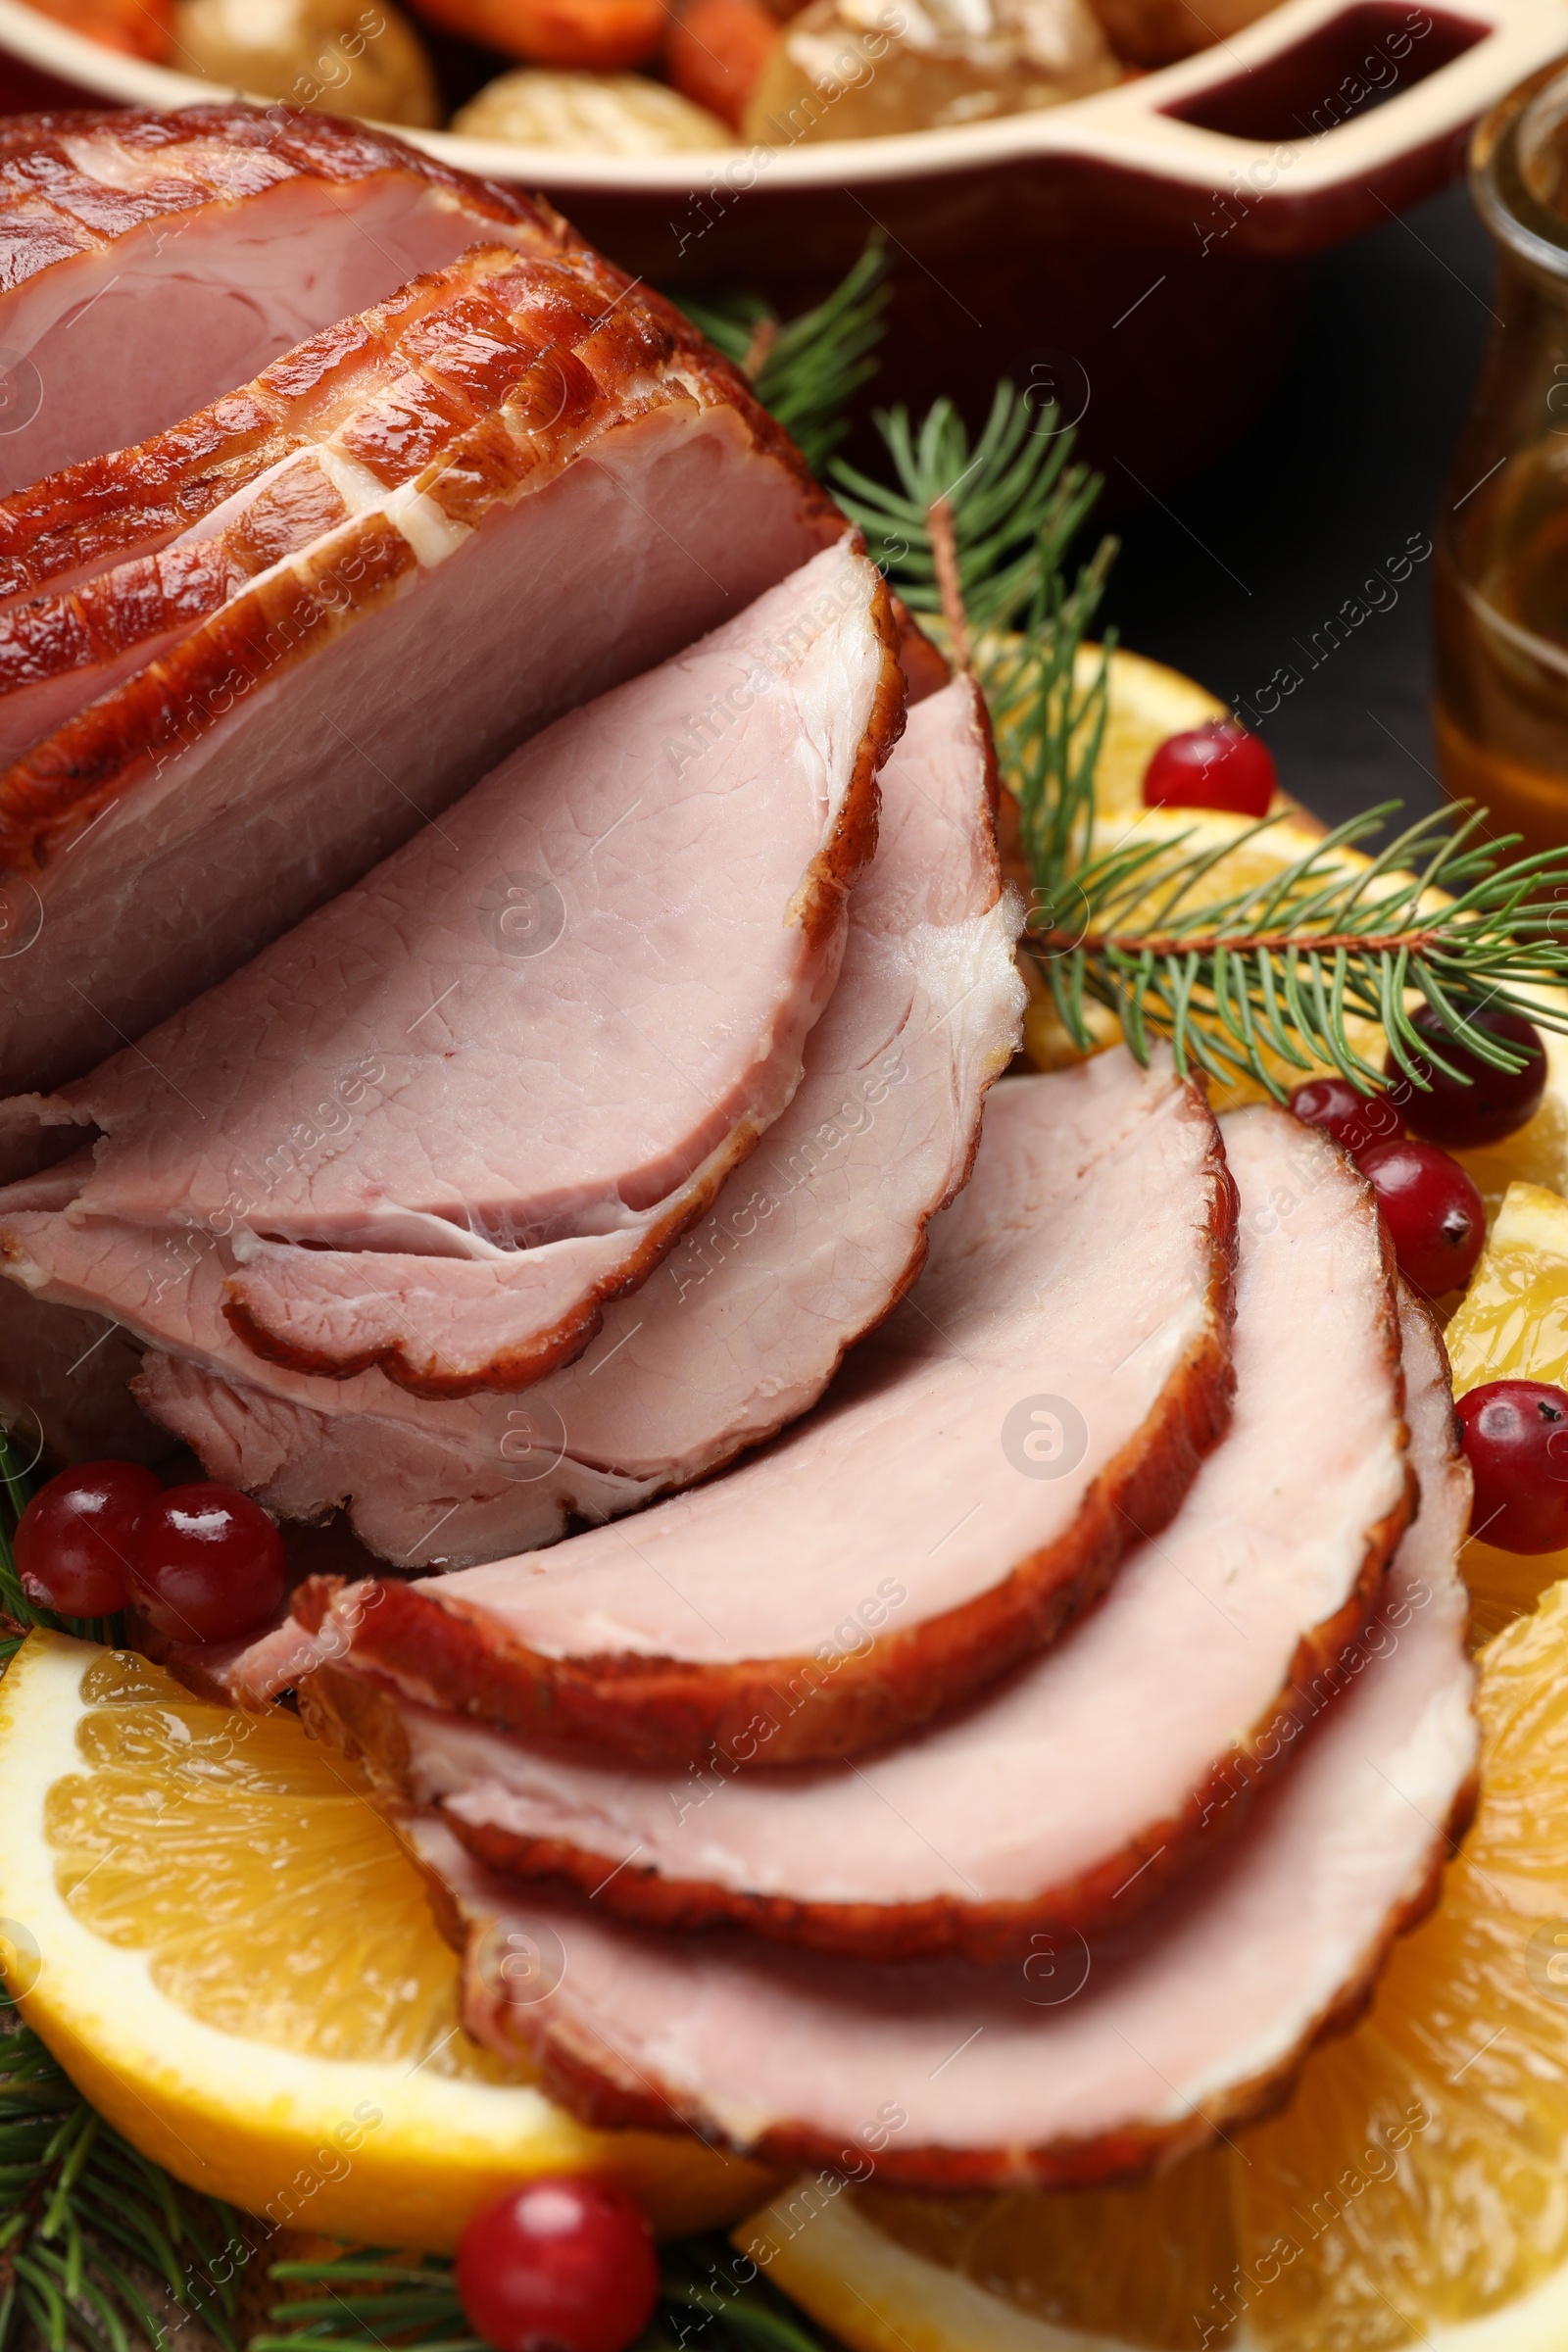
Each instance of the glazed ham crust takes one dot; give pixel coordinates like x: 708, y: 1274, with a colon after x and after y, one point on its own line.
x: 854, y: 1624
x: 150, y: 262
x: 624, y: 496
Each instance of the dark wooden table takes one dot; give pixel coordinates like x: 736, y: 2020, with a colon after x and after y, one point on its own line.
x: 1238, y: 576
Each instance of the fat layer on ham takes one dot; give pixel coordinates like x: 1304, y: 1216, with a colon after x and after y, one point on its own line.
x: 554, y: 1021
x: 742, y: 1327
x: 1043, y: 1810
x: 626, y: 495
x: 153, y: 262
x: 1044, y: 1394
x: 1082, y: 2062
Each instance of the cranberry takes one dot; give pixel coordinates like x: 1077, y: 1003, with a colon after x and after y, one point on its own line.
x: 1356, y: 1120
x: 563, y: 2265
x: 1494, y: 1104
x: 72, y: 1542
x: 1432, y: 1210
x: 1218, y: 766
x: 1515, y: 1435
x: 207, y: 1564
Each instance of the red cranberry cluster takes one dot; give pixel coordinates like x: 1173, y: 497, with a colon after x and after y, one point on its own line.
x: 201, y: 1562
x: 1515, y: 1432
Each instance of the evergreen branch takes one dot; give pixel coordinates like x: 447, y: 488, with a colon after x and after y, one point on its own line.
x: 804, y: 371
x: 1264, y: 980
x: 973, y: 534
x: 67, y: 2185
x: 701, y: 2299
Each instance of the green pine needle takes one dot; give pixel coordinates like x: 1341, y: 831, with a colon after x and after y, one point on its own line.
x: 1262, y: 982
x: 806, y: 370
x: 704, y: 2300
x: 89, y: 2229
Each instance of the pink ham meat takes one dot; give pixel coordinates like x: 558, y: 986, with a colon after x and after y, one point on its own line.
x: 1080, y: 2064
x: 742, y: 1328
x: 1037, y: 1813
x: 320, y: 435
x: 897, y: 1548
x: 591, y: 1080
x: 626, y: 495
x: 152, y: 261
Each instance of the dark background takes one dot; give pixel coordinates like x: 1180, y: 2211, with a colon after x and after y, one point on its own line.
x: 1229, y: 578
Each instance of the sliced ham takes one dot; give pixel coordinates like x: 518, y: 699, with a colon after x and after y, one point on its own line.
x: 1070, y: 1800
x: 590, y: 1081
x: 742, y: 1328
x: 626, y: 495
x: 1082, y: 2063
x: 320, y: 435
x: 152, y: 261
x: 65, y: 1385
x: 899, y: 1547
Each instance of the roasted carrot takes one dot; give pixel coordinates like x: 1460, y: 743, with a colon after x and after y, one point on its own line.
x: 715, y: 51
x: 138, y: 27
x: 604, y: 36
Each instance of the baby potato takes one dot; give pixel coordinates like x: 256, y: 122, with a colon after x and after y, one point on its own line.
x: 865, y: 69
x: 342, y: 57
x: 606, y: 114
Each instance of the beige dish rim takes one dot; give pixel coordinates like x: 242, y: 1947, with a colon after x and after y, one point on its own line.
x: 1127, y: 128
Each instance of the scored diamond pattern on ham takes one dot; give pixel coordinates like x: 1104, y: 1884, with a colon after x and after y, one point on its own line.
x: 153, y: 262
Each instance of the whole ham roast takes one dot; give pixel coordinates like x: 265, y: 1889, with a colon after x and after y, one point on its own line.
x: 951, y: 1613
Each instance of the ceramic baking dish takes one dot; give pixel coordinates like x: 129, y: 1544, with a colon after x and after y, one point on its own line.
x: 1142, y: 253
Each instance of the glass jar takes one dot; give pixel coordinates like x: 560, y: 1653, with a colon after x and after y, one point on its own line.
x: 1500, y: 585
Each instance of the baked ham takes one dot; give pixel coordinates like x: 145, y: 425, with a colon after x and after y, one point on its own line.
x: 320, y: 435
x: 1070, y: 1800
x: 626, y: 495
x: 592, y: 1079
x: 902, y: 1545
x: 1084, y: 2063
x: 743, y: 1326
x: 154, y: 261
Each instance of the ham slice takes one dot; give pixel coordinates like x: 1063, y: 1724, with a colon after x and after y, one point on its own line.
x: 1083, y: 2063
x: 320, y: 435
x: 152, y: 261
x: 65, y: 1385
x: 899, y: 1547
x: 1037, y: 1813
x: 626, y: 495
x: 742, y: 1328
x: 591, y: 1081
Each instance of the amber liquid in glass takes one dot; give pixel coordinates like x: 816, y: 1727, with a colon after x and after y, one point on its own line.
x: 1502, y: 655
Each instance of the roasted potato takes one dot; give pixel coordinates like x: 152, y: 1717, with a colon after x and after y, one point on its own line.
x: 342, y: 57
x: 607, y: 114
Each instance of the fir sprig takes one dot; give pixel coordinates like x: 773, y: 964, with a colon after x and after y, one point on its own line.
x: 1263, y: 981
x: 806, y: 370
x: 370, y: 2298
x: 92, y: 2233
x: 975, y: 535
